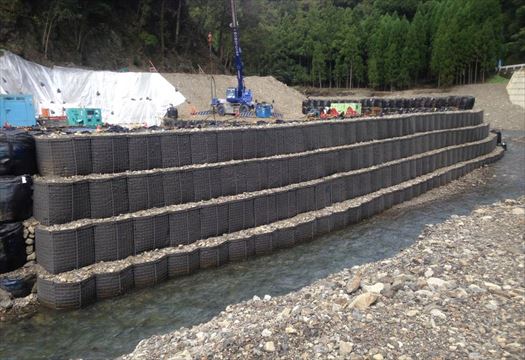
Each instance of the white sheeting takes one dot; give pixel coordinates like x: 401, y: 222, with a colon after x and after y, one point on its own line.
x: 125, y: 98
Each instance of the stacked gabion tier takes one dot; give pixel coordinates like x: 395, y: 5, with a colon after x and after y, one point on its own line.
x: 129, y: 210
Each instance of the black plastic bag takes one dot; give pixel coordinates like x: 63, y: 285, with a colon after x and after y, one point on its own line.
x: 17, y: 153
x: 469, y: 102
x: 12, y: 247
x: 16, y: 202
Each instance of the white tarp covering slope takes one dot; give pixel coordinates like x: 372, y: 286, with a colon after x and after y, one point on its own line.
x: 125, y: 98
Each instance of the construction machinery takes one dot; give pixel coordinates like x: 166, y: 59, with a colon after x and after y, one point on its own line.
x: 239, y: 100
x: 335, y: 110
x: 87, y: 117
x: 17, y: 110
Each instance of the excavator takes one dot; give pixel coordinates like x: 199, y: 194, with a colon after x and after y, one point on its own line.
x: 239, y: 100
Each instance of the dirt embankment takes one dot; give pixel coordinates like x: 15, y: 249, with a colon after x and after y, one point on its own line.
x: 197, y: 90
x: 457, y: 293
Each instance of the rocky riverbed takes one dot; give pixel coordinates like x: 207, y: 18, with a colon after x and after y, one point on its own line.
x: 457, y: 293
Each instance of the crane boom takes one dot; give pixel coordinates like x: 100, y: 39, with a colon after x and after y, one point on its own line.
x: 238, y: 52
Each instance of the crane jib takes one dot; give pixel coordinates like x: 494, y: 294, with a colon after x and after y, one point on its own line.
x: 238, y: 62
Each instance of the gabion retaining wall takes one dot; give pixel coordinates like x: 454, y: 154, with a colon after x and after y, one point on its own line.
x: 86, y: 154
x: 62, y: 249
x: 61, y: 201
x: 68, y: 295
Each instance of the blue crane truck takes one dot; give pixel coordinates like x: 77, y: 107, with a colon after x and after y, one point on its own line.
x: 239, y: 100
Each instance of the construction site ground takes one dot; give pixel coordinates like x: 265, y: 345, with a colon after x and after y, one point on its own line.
x: 493, y: 99
x: 287, y: 101
x: 197, y: 90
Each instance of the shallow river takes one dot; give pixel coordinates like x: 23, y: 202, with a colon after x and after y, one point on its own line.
x: 111, y: 328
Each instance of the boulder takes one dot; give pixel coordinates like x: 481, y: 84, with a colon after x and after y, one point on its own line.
x: 363, y: 301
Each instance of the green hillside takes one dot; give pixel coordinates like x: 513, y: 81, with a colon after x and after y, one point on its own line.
x: 385, y: 44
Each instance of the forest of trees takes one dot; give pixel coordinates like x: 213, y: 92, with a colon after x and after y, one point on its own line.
x: 385, y: 44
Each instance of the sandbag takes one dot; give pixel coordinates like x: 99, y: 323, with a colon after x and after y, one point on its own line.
x: 16, y: 202
x: 17, y: 153
x: 12, y: 247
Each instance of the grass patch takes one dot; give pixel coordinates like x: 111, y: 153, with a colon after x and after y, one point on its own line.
x: 497, y: 79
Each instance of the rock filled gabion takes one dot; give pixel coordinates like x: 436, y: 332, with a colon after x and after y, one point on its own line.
x: 172, y: 203
x: 29, y: 238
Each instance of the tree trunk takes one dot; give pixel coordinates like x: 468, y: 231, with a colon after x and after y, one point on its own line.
x: 47, y: 28
x: 177, y: 27
x: 330, y: 75
x: 351, y: 73
x: 44, y: 34
x: 46, y: 46
x: 162, y: 26
x: 476, y: 72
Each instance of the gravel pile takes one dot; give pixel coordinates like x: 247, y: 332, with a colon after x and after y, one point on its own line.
x: 457, y: 293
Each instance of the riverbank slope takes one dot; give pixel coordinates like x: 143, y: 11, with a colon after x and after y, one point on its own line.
x: 458, y: 292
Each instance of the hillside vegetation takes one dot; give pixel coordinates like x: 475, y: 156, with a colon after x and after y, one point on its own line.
x: 384, y: 44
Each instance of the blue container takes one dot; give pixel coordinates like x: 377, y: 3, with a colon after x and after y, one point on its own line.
x: 17, y: 110
x: 263, y: 110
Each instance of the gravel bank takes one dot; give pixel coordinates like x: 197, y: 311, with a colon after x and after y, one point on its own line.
x: 457, y: 293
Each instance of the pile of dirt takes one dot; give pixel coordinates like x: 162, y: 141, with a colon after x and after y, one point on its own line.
x: 197, y: 90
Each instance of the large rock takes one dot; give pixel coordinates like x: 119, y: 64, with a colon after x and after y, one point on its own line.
x: 436, y: 283
x: 518, y: 211
x: 363, y: 301
x: 376, y: 288
x: 345, y: 347
x: 269, y: 346
x: 6, y: 300
x: 183, y: 355
x: 5, y: 295
x: 354, y: 285
x: 438, y: 313
x: 266, y: 333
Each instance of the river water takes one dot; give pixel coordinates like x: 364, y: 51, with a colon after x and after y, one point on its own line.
x: 114, y: 327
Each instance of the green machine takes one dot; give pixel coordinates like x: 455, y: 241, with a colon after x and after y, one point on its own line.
x: 88, y: 117
x: 349, y: 109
